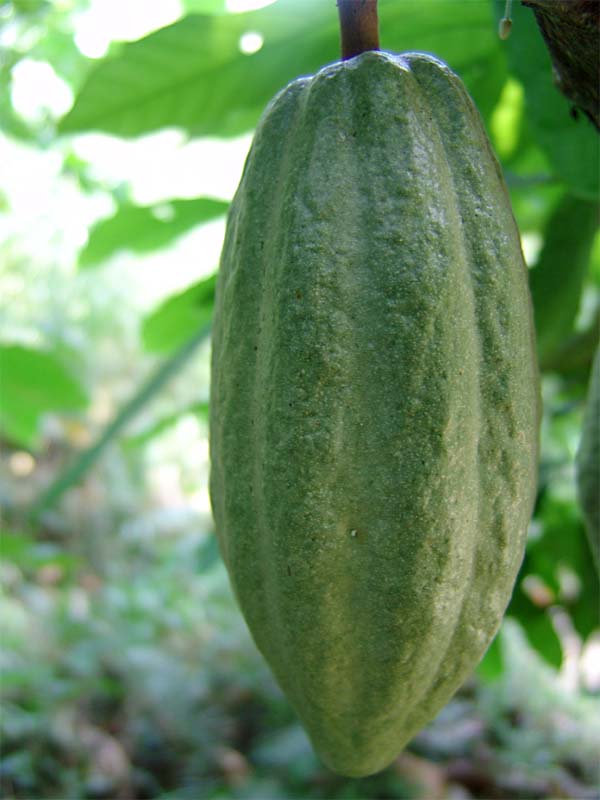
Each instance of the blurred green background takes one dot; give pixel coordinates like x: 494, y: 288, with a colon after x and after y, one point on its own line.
x: 127, y: 671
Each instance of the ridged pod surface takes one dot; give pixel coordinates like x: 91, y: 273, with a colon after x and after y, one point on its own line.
x: 588, y: 462
x: 374, y: 399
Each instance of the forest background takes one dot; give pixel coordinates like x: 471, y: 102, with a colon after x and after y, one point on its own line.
x: 127, y: 671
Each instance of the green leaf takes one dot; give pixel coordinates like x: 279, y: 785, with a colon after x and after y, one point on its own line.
x: 144, y: 229
x: 571, y: 144
x: 179, y: 317
x: 463, y: 36
x: 33, y: 382
x: 29, y: 6
x: 538, y: 628
x: 564, y: 545
x: 574, y: 356
x: 586, y: 612
x: 558, y: 278
x: 561, y: 546
x: 205, y: 6
x: 190, y: 74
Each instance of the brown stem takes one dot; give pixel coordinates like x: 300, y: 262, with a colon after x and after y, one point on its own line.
x: 358, y: 26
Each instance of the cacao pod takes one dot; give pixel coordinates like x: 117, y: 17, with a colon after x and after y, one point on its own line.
x: 374, y: 399
x: 588, y: 462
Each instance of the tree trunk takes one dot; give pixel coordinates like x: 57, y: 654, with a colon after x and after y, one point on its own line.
x: 571, y: 30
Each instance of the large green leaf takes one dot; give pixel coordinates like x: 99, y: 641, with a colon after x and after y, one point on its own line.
x: 570, y: 142
x: 190, y: 74
x: 557, y: 279
x: 193, y: 75
x: 33, y: 382
x: 179, y: 317
x: 144, y: 229
x: 462, y: 34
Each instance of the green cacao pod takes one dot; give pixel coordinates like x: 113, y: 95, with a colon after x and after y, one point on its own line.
x: 588, y: 462
x: 374, y: 399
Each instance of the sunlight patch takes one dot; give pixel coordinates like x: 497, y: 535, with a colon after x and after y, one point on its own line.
x: 112, y: 20
x: 251, y: 42
x: 37, y: 90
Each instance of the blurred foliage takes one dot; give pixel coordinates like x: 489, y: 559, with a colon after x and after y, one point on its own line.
x: 571, y: 148
x: 33, y: 383
x: 126, y: 668
x: 146, y: 229
x: 166, y: 79
x: 175, y: 321
x: 569, y: 236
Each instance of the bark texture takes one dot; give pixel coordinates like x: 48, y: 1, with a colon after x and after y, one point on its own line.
x: 571, y: 30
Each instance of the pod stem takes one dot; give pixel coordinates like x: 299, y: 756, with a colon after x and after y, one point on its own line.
x: 359, y: 26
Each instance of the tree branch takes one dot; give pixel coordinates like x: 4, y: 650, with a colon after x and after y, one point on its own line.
x: 571, y: 30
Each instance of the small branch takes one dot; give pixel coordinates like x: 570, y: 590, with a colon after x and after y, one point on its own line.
x: 87, y: 458
x: 358, y: 26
